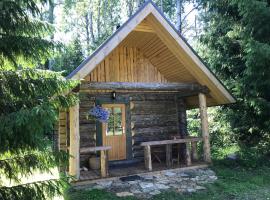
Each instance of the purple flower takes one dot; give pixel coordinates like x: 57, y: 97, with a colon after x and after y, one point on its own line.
x: 99, y: 113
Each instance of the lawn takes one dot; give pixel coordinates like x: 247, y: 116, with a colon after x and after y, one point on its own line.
x: 234, y: 182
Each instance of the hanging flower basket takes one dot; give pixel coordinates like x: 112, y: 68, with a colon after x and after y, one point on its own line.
x: 98, y: 113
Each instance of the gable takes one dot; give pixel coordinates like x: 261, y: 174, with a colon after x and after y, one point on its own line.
x: 161, y: 45
x: 125, y: 64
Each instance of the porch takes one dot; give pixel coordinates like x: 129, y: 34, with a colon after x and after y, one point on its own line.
x: 180, y: 144
x: 135, y: 169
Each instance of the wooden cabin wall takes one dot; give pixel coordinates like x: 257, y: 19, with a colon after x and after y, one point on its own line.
x: 152, y: 117
x: 87, y: 126
x: 126, y: 64
x: 63, y: 130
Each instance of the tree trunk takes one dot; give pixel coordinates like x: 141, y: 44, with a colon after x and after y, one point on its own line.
x: 87, y: 32
x: 179, y: 15
x: 98, y: 18
x: 138, y: 3
x: 161, y: 5
x: 91, y: 27
x: 129, y: 7
x: 195, y: 26
x: 51, y: 21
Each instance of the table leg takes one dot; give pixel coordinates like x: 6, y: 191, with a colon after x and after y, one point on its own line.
x: 169, y: 155
x: 147, y: 158
x: 103, y: 163
x: 194, y: 155
x: 188, y: 157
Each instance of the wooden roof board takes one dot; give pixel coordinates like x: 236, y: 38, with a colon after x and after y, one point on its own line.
x: 167, y: 34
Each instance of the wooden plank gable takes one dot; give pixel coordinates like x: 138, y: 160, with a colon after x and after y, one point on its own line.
x: 126, y: 64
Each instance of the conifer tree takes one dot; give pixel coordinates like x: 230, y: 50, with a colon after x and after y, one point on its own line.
x: 237, y: 46
x: 29, y: 105
x: 23, y: 35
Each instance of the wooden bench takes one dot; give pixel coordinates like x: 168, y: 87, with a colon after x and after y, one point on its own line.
x: 103, y: 157
x: 169, y: 143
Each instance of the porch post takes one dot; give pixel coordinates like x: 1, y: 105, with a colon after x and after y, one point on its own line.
x: 74, y: 147
x: 204, y: 126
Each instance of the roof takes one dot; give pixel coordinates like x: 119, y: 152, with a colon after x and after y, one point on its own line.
x: 173, y: 41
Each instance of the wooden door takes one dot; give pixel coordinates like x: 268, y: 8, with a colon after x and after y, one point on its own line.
x: 114, y: 131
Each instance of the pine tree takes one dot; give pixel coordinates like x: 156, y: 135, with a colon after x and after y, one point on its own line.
x: 69, y: 58
x: 29, y: 105
x: 23, y: 35
x: 237, y: 47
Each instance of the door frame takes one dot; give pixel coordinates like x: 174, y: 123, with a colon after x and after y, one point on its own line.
x: 118, y: 100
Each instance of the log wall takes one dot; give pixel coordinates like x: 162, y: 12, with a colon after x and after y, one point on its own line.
x: 152, y: 117
x: 63, y: 130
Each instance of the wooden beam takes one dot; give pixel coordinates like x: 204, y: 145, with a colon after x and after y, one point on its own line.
x: 144, y: 86
x: 204, y: 126
x: 74, y: 149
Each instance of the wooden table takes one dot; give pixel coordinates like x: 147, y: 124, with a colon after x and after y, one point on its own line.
x: 103, y: 157
x: 168, y: 143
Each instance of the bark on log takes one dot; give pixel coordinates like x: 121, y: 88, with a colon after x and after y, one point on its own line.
x: 147, y: 158
x: 143, y: 86
x: 204, y: 126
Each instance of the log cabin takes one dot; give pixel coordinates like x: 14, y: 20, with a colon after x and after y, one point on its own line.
x: 148, y: 76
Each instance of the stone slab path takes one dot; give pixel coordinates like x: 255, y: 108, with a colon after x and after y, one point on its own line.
x: 154, y: 183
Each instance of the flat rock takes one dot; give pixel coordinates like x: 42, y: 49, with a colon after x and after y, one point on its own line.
x: 132, y: 182
x: 213, y: 177
x: 124, y: 194
x: 155, y: 192
x: 184, y: 175
x: 146, y: 185
x: 135, y: 191
x: 162, y: 186
x: 105, y: 184
x: 148, y: 177
x: 170, y: 174
x: 198, y: 187
x: 190, y: 190
x: 98, y: 187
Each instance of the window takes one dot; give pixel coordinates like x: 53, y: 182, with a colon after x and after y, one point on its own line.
x: 115, y: 124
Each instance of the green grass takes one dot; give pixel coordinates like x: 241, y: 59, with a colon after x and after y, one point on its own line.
x: 245, y: 179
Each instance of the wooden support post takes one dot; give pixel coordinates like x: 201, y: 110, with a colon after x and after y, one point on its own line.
x: 194, y: 155
x: 169, y: 155
x: 104, y: 163
x: 188, y: 158
x: 147, y: 158
x: 204, y: 126
x: 74, y: 148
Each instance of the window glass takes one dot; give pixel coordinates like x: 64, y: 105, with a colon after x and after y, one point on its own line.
x: 110, y: 123
x: 114, y: 124
x: 118, y: 121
